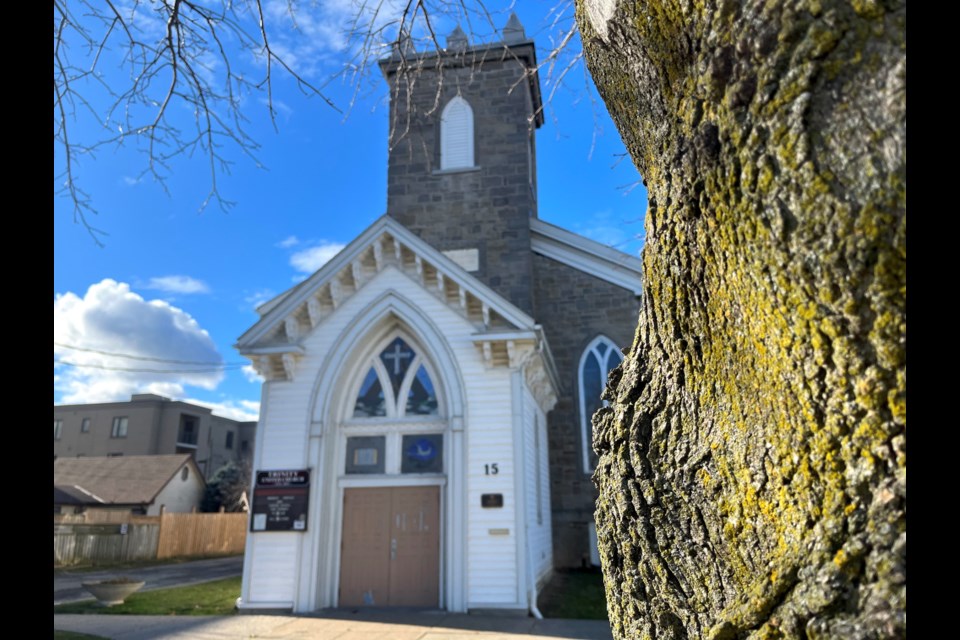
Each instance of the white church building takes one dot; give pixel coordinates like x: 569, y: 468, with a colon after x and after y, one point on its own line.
x: 421, y: 443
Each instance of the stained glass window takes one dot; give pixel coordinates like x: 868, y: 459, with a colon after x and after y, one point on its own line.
x: 600, y: 357
x: 365, y: 454
x: 397, y: 358
x: 422, y: 454
x: 396, y: 369
x: 421, y: 399
x: 370, y: 402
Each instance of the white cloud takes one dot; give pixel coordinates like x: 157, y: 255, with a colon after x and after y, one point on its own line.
x: 309, y: 260
x: 609, y: 229
x: 250, y: 373
x: 178, y: 284
x: 610, y: 236
x: 281, y: 107
x: 288, y: 242
x: 142, y: 19
x: 129, y: 181
x: 240, y: 410
x: 111, y: 319
x: 311, y: 37
x: 258, y: 297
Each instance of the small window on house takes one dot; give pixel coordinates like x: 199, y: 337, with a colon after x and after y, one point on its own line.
x: 185, y: 473
x: 244, y: 445
x: 57, y: 429
x: 119, y: 429
x: 229, y: 442
x: 598, y: 359
x: 85, y: 425
x: 456, y: 135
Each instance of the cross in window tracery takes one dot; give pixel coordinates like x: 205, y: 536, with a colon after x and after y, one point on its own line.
x: 397, y: 354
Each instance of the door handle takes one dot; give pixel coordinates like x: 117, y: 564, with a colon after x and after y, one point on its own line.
x: 393, y: 548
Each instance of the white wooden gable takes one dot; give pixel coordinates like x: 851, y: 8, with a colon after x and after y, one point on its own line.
x: 505, y: 335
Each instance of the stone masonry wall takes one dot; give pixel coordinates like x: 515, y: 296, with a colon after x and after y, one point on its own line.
x: 574, y: 308
x: 488, y: 207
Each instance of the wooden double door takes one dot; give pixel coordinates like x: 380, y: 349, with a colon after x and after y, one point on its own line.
x: 390, y: 549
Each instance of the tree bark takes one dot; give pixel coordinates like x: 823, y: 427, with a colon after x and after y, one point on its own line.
x: 752, y: 467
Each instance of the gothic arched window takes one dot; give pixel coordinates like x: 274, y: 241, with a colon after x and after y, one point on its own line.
x: 598, y: 359
x: 397, y: 384
x: 456, y: 135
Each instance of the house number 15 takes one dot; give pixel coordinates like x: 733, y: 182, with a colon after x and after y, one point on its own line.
x: 491, y: 469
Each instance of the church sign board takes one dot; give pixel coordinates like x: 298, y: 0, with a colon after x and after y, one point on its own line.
x: 280, y: 500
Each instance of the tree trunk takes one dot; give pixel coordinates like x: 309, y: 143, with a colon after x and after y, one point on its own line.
x: 753, y: 458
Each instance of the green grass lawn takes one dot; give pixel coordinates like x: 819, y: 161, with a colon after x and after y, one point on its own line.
x: 575, y: 593
x: 570, y: 594
x: 217, y: 598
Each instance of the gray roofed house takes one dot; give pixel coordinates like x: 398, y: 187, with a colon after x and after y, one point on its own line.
x: 142, y: 484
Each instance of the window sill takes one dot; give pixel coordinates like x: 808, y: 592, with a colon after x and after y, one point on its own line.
x: 443, y: 172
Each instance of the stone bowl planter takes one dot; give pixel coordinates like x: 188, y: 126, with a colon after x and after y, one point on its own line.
x: 112, y: 591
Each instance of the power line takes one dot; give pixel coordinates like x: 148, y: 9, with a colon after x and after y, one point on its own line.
x: 131, y: 370
x: 148, y: 358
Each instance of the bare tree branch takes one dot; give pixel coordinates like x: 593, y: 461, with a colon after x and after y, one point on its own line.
x: 209, y: 55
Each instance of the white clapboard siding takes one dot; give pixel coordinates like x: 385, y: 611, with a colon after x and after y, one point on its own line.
x: 536, y: 465
x: 492, y: 557
x: 456, y: 135
x: 493, y: 577
x: 274, y: 559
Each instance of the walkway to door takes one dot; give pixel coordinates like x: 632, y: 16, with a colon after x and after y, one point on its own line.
x: 328, y: 625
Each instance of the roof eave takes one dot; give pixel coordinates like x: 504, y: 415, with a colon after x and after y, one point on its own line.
x: 247, y: 344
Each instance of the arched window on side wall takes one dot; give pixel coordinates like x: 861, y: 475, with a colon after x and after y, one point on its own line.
x: 456, y: 135
x: 598, y: 359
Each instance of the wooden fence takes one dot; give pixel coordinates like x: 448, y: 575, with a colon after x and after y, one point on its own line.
x: 99, y: 543
x: 201, y: 534
x: 104, y: 516
x: 93, y: 538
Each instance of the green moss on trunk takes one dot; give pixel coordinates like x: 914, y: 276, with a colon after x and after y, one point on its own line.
x: 752, y: 471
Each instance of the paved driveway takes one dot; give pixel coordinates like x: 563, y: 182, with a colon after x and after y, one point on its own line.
x: 66, y: 583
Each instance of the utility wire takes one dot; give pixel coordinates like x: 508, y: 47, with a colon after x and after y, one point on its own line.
x: 148, y: 358
x: 131, y: 370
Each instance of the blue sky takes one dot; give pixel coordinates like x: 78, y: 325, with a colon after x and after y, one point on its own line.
x: 172, y: 283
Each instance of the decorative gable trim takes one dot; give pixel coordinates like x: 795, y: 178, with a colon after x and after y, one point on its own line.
x: 586, y: 255
x: 384, y: 244
x: 527, y: 351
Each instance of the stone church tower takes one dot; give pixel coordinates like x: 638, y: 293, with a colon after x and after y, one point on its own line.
x: 462, y: 163
x: 462, y: 176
